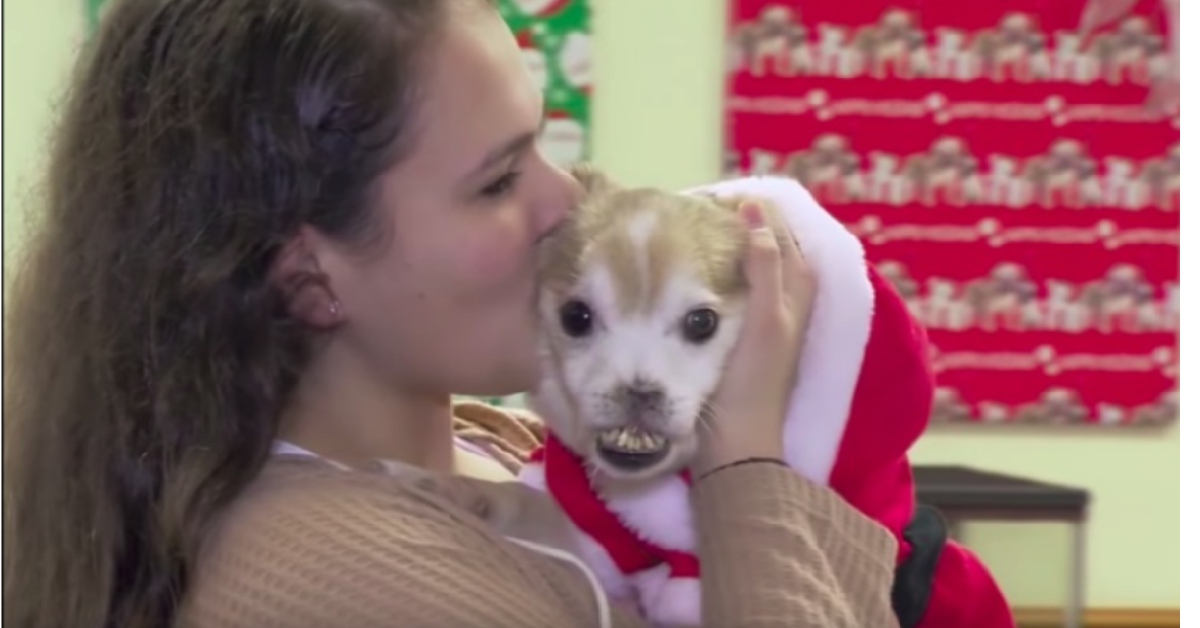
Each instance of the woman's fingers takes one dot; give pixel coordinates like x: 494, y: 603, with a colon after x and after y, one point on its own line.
x: 762, y: 263
x: 794, y: 272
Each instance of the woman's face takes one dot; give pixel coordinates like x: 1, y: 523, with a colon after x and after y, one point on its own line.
x: 447, y: 304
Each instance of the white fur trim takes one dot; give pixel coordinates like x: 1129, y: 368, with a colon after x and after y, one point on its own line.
x: 677, y: 603
x: 659, y: 511
x: 533, y: 474
x: 614, y: 582
x: 838, y: 329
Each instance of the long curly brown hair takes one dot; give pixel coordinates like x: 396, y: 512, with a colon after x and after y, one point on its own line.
x: 146, y: 354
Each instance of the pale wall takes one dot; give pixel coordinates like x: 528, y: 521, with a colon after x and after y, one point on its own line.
x: 40, y: 38
x: 657, y: 121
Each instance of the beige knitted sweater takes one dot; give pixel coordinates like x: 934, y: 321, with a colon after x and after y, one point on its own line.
x: 311, y: 546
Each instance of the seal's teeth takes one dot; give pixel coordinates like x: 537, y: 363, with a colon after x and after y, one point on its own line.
x: 631, y: 440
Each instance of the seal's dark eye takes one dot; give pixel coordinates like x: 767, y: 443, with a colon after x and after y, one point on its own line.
x: 576, y: 318
x: 700, y: 325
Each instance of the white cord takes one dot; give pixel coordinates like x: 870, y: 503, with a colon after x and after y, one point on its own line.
x: 604, y: 611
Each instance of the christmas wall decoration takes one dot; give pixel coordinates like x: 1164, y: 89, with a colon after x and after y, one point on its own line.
x: 1003, y: 173
x: 555, y: 39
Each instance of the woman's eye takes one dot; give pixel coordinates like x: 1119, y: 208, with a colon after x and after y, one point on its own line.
x: 501, y: 186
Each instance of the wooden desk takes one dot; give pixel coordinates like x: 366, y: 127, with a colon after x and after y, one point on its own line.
x: 966, y: 494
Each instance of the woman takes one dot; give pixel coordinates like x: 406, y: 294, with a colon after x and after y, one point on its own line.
x: 279, y: 233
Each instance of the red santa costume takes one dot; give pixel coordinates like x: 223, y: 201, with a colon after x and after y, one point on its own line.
x: 864, y: 397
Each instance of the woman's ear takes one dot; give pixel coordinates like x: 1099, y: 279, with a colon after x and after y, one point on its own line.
x: 296, y: 273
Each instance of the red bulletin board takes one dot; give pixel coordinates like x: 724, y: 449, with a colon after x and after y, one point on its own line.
x: 1002, y: 170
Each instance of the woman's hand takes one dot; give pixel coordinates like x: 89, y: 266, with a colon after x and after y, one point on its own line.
x: 750, y: 403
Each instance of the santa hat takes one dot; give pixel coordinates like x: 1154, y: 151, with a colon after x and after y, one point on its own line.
x: 864, y: 395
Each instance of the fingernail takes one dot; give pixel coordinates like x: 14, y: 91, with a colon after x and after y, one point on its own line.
x: 753, y: 215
